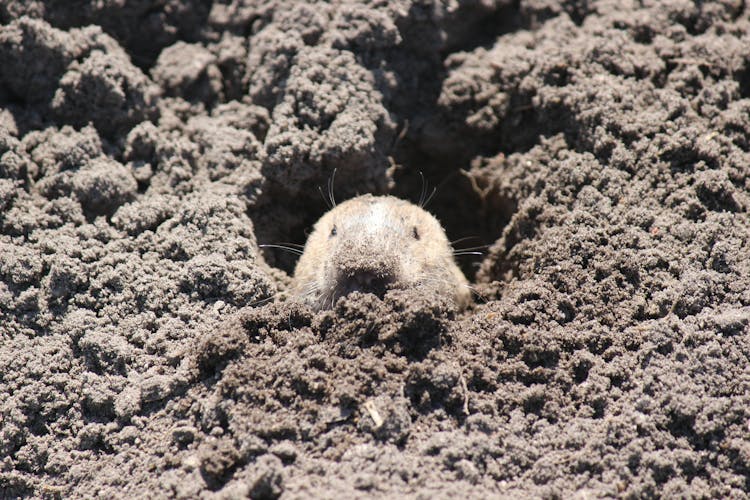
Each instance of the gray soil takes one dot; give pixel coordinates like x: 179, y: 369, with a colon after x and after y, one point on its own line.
x: 600, y: 148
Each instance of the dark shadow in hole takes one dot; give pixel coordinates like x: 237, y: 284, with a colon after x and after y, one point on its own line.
x: 278, y: 223
x: 743, y: 79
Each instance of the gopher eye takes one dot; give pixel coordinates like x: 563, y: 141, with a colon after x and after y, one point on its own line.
x: 415, y: 233
x: 333, y: 231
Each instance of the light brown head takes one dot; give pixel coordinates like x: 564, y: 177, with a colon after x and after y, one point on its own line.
x: 373, y: 244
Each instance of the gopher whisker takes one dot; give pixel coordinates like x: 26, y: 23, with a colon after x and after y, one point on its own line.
x: 283, y: 247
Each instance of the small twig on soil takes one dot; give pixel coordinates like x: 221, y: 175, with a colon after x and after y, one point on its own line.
x: 374, y: 413
x: 462, y: 380
x: 401, y: 134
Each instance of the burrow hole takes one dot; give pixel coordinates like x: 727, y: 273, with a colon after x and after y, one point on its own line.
x: 469, y: 220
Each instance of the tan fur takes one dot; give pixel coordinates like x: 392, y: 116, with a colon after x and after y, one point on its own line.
x: 374, y: 248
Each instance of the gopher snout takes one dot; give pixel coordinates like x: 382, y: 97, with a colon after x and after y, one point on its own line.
x: 365, y: 281
x: 358, y: 272
x: 372, y: 244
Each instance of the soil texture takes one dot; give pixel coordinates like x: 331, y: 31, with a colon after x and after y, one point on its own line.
x: 599, y: 149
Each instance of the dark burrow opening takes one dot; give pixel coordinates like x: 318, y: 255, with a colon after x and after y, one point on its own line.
x: 286, y: 225
x: 472, y: 221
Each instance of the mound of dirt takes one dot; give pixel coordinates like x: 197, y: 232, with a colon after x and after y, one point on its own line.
x: 600, y: 149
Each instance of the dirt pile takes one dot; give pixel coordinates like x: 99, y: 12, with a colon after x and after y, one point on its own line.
x: 146, y: 148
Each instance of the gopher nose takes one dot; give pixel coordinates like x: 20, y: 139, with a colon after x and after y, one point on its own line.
x: 365, y: 265
x: 367, y: 281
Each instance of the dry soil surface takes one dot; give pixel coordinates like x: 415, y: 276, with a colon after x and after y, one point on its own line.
x: 600, y: 148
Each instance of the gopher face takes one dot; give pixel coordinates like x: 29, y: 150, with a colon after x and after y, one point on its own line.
x: 372, y: 244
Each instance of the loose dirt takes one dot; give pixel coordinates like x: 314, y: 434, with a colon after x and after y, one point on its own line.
x: 600, y: 149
